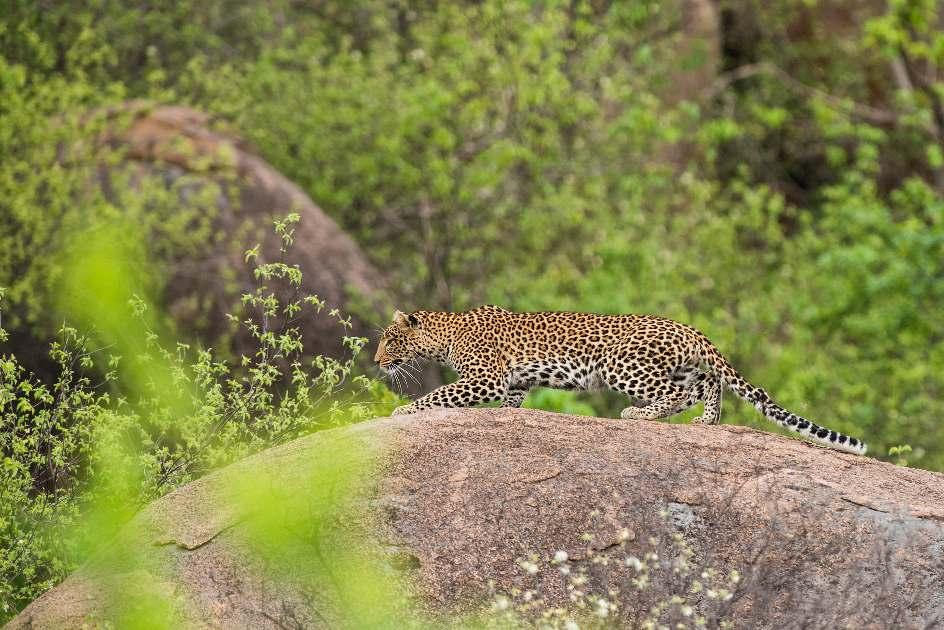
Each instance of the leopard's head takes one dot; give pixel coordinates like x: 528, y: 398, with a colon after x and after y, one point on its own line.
x: 407, y: 338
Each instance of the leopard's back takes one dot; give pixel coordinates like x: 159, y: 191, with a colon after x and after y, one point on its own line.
x: 576, y: 337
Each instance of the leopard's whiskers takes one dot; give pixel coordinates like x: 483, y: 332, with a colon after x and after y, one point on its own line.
x: 411, y: 372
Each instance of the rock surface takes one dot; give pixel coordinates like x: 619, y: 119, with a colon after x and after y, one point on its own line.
x: 820, y: 539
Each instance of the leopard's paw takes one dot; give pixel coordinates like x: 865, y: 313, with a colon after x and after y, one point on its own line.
x: 631, y: 413
x: 704, y: 420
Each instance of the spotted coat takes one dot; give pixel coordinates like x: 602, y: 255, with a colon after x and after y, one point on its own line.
x: 500, y: 355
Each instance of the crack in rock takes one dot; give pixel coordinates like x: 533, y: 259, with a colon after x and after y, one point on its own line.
x: 544, y: 475
x: 191, y: 545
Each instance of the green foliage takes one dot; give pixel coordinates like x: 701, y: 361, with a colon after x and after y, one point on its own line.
x: 59, y: 175
x: 46, y: 433
x: 465, y: 128
x: 559, y: 401
x: 101, y: 41
x: 500, y: 154
x: 3, y: 333
x: 534, y: 154
x: 78, y: 458
x: 511, y: 154
x: 899, y: 453
x: 304, y: 546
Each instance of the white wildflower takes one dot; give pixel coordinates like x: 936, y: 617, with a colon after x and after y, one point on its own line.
x: 603, y: 608
x: 560, y: 556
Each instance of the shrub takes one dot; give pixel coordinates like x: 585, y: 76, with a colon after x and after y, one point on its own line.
x: 521, y: 154
x: 79, y: 457
x: 60, y: 175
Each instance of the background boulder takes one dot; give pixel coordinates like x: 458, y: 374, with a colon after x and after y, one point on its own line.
x: 180, y: 147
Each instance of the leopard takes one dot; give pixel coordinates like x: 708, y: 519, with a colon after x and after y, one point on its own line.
x: 666, y: 367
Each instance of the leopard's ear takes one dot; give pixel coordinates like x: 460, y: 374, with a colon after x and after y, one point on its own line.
x: 403, y: 320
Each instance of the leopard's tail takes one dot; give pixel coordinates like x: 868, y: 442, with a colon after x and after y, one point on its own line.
x: 762, y: 401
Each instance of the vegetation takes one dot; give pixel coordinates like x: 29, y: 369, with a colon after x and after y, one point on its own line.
x: 79, y: 457
x: 776, y: 180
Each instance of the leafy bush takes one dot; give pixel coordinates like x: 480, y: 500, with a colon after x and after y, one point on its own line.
x: 47, y: 431
x: 523, y: 153
x: 79, y: 457
x: 520, y: 152
x: 460, y: 143
x: 59, y: 175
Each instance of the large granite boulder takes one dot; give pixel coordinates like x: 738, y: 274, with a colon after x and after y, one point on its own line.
x: 471, y: 507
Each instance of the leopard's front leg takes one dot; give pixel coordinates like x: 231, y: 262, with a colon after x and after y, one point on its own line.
x: 463, y: 393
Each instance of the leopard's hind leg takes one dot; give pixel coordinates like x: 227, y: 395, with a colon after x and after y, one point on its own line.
x: 668, y: 405
x: 698, y: 387
x: 708, y: 390
x: 701, y: 387
x: 652, y: 379
x: 671, y: 397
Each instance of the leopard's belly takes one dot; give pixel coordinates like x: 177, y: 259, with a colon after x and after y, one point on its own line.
x: 559, y: 373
